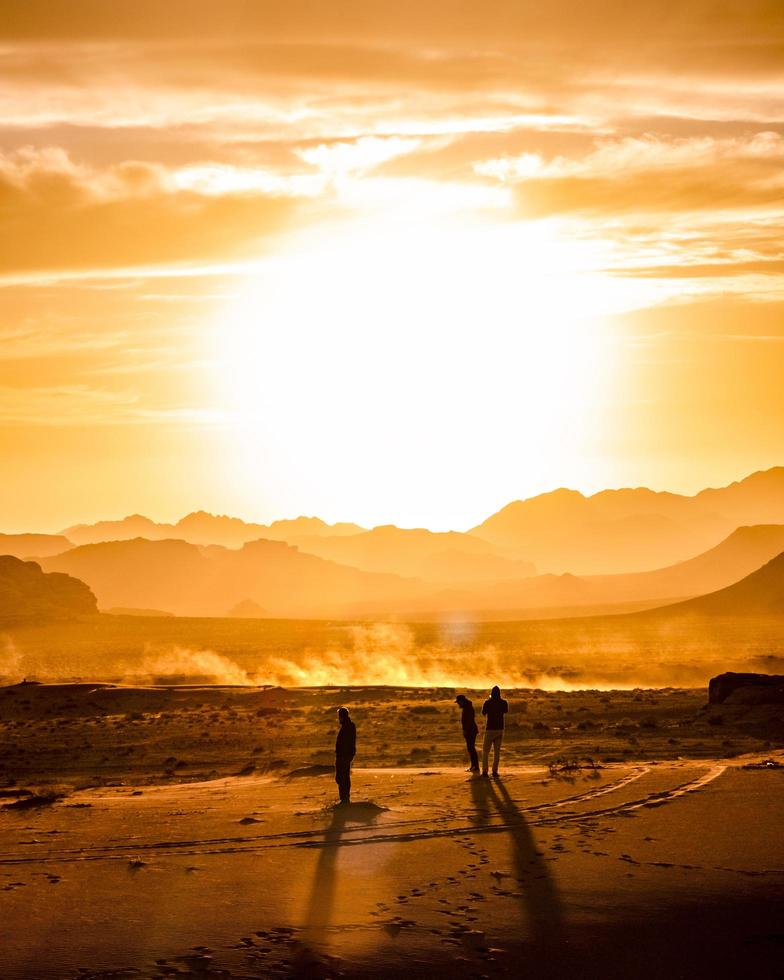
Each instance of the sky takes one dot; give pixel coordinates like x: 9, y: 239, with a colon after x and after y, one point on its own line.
x: 385, y: 262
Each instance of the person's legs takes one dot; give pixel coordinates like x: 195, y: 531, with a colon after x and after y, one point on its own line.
x: 499, y: 737
x: 471, y: 747
x: 486, y: 750
x: 343, y: 779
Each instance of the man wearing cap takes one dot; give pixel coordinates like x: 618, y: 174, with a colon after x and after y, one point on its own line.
x: 470, y: 730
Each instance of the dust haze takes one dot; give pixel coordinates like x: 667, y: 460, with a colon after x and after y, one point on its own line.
x: 614, y: 652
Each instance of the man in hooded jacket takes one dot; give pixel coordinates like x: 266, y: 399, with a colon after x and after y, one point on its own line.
x: 494, y: 710
x: 345, y: 750
x: 470, y: 729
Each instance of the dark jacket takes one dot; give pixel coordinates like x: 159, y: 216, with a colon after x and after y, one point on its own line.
x: 346, y: 742
x: 468, y: 719
x: 494, y: 710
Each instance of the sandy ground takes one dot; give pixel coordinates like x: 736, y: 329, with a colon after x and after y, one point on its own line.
x: 644, y: 867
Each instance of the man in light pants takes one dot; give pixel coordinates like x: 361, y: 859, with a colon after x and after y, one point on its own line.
x: 494, y: 710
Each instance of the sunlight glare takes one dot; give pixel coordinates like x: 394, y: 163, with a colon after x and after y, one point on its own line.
x: 387, y: 341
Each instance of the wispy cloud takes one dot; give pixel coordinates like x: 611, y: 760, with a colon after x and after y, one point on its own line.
x: 59, y: 214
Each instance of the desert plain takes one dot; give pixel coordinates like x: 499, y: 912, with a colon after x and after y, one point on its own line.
x: 182, y: 826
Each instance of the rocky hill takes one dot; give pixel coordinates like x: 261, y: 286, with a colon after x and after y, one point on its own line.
x: 29, y: 594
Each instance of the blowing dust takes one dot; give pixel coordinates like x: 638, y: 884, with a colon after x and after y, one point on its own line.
x: 378, y: 654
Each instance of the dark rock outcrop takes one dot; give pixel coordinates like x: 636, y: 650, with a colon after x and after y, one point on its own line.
x: 746, y: 688
x: 29, y: 594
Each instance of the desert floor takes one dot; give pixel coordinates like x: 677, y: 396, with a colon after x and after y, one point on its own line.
x: 162, y: 832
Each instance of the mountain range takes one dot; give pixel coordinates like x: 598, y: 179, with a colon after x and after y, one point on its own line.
x: 444, y: 557
x: 33, y: 545
x: 203, y: 528
x: 760, y: 594
x: 217, y: 565
x: 279, y: 580
x: 613, y: 531
x: 630, y: 530
x: 193, y: 580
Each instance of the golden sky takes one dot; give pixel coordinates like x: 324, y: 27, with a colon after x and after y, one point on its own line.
x: 385, y: 261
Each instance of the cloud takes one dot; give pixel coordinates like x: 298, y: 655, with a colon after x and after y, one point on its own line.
x: 59, y: 214
x: 735, y: 31
x: 705, y: 270
x: 635, y: 154
x: 649, y: 174
x: 83, y: 405
x: 63, y: 405
x: 305, y: 66
x: 359, y: 155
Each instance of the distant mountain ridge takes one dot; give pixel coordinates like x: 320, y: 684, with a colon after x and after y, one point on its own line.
x: 612, y: 532
x: 268, y: 577
x: 33, y: 545
x: 760, y: 594
x: 739, y: 554
x: 630, y: 530
x: 201, y: 527
x: 446, y: 557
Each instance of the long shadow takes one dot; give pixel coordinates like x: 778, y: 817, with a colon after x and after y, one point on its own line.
x: 539, y: 898
x: 318, y: 915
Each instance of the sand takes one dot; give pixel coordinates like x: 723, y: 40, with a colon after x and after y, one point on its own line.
x: 637, y: 867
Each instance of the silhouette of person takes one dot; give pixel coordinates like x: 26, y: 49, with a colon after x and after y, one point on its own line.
x: 345, y: 750
x: 494, y: 710
x: 470, y: 729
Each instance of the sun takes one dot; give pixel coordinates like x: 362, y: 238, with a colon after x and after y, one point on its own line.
x: 387, y: 349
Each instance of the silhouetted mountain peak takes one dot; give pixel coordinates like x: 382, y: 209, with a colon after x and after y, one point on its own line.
x: 33, y: 545
x: 758, y: 594
x: 630, y: 529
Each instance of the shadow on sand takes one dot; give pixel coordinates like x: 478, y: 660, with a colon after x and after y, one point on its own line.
x: 539, y: 897
x: 322, y: 896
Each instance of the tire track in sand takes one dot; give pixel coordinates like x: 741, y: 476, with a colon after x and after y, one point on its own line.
x: 315, y: 839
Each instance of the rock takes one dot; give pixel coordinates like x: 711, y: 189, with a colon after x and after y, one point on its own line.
x: 757, y: 695
x: 767, y: 688
x: 29, y: 594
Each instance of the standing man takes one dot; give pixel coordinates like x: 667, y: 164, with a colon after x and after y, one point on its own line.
x: 494, y: 710
x: 345, y: 750
x: 470, y: 730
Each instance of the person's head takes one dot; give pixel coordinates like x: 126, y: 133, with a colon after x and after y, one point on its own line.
x: 461, y: 699
x: 342, y: 715
x: 496, y: 692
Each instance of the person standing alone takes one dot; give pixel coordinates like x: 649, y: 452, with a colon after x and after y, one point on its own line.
x: 345, y: 750
x: 470, y: 730
x: 494, y: 710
